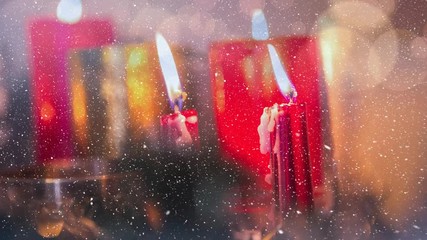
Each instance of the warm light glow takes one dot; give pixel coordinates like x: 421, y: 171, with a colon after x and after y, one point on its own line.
x: 358, y: 45
x: 69, y: 11
x: 336, y: 46
x: 219, y: 90
x: 154, y: 215
x: 142, y: 93
x: 328, y: 49
x: 137, y: 91
x: 136, y: 58
x: 113, y: 90
x: 50, y: 228
x: 47, y: 112
x: 79, y: 110
x: 359, y: 16
x: 284, y: 83
x: 79, y: 104
x: 248, y: 65
x: 251, y: 75
x: 168, y: 66
x: 268, y: 80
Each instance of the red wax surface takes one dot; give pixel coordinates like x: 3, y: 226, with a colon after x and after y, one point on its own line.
x: 243, y: 84
x: 50, y: 41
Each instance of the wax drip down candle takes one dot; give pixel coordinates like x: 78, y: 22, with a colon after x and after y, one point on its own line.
x: 179, y: 130
x: 283, y: 133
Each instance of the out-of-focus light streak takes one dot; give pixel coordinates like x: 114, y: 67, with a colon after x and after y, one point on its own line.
x: 141, y: 88
x: 219, y: 89
x: 327, y: 47
x: 115, y: 94
x: 78, y: 101
x: 79, y: 104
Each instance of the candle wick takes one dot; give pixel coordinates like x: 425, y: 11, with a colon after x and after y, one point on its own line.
x: 178, y: 101
x: 292, y: 96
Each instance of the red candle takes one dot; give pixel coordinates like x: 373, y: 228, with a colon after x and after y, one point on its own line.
x: 290, y: 160
x: 238, y: 88
x: 180, y: 129
x: 50, y: 41
x: 290, y: 163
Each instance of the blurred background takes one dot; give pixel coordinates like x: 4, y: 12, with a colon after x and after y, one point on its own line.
x: 372, y: 57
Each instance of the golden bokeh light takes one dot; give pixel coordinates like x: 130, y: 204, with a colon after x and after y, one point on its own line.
x: 359, y: 16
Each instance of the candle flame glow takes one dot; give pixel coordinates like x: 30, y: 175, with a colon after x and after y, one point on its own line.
x: 170, y: 72
x: 69, y: 11
x: 259, y: 26
x: 47, y: 111
x: 284, y: 83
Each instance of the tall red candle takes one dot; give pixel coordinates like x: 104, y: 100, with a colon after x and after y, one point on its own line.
x: 290, y: 160
x: 242, y: 81
x: 50, y: 41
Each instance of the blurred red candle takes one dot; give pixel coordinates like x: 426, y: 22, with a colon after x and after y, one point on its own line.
x: 180, y: 129
x: 50, y: 41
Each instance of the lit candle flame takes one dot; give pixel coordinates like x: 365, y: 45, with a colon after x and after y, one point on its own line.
x: 259, y: 26
x: 284, y: 83
x: 69, y: 11
x: 170, y: 73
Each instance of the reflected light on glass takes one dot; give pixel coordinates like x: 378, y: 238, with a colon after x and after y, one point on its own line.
x: 219, y: 90
x: 142, y: 86
x: 139, y: 86
x: 69, y: 11
x: 336, y: 46
x: 327, y: 51
x: 49, y: 216
x: 268, y: 79
x: 79, y: 110
x: 359, y: 15
x: 49, y: 225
